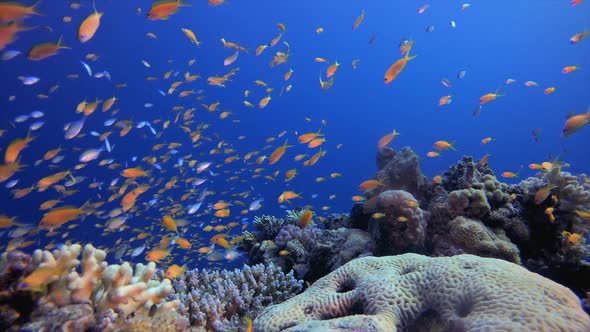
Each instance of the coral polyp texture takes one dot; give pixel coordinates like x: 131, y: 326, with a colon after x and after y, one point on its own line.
x: 217, y: 300
x: 419, y: 293
x: 60, y: 290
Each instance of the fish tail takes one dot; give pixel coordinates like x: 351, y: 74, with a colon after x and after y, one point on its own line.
x: 33, y: 8
x: 452, y: 146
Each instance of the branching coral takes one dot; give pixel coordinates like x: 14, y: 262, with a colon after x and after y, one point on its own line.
x: 416, y: 293
x: 67, y: 296
x: 215, y: 300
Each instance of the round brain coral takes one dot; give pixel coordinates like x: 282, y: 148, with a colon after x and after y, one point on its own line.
x: 419, y: 293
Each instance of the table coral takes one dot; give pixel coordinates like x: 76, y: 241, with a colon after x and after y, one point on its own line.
x: 414, y: 292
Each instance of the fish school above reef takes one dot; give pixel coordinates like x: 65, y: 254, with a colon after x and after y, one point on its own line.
x: 507, y: 254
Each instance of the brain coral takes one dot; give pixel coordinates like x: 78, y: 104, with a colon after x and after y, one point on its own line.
x: 419, y: 293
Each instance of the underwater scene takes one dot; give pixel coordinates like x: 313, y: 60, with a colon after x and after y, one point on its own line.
x: 226, y: 165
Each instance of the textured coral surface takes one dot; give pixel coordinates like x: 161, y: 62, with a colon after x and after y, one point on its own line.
x: 419, y: 293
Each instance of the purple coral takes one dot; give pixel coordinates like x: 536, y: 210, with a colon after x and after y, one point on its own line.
x: 215, y: 300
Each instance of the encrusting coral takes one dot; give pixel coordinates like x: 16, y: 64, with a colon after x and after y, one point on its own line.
x: 61, y: 296
x: 419, y: 293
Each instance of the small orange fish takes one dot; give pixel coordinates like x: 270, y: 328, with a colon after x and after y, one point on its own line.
x: 383, y: 141
x: 437, y: 179
x: 332, y: 69
x: 370, y: 184
x: 287, y: 195
x: 549, y: 90
x: 489, y: 97
x: 305, y: 219
x: 89, y: 26
x: 486, y: 140
x: 432, y: 154
x: 161, y: 10
x: 509, y: 175
x: 15, y: 148
x: 263, y: 102
x: 549, y: 213
x: 14, y: 11
x: 397, y: 67
x: 358, y: 20
x: 133, y: 172
x: 574, y: 123
x: 157, y: 254
x: 579, y: 36
x: 278, y: 153
x: 169, y: 223
x: 569, y: 69
x: 444, y: 145
x: 45, y: 50
x: 174, y: 271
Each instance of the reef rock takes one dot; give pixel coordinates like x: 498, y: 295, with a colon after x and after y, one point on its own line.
x: 400, y: 170
x: 418, y: 293
x: 401, y: 225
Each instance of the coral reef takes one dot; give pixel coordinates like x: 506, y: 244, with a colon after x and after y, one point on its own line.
x: 399, y: 170
x: 419, y: 293
x: 400, y: 226
x: 46, y: 291
x: 311, y: 252
x: 216, y: 300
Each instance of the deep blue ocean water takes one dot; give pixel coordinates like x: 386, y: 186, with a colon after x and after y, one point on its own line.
x: 492, y: 41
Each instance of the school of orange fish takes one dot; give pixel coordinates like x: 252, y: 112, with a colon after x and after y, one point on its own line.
x: 150, y: 183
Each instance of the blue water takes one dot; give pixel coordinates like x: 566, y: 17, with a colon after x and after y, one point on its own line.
x: 492, y: 41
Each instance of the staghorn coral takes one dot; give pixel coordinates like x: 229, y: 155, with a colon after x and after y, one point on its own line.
x: 216, y: 300
x: 70, y: 299
x: 414, y: 292
x: 402, y: 229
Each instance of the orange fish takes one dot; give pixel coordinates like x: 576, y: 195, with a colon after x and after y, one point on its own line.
x: 89, y: 26
x: 397, y: 67
x: 156, y: 255
x: 574, y: 123
x: 549, y: 90
x: 286, y: 196
x: 383, y: 141
x: 14, y: 11
x: 486, y: 140
x: 8, y: 32
x: 358, y: 20
x: 316, y: 142
x: 133, y: 172
x: 332, y: 69
x: 489, y: 97
x: 183, y: 243
x: 39, y: 278
x: 305, y: 219
x: 484, y: 160
x: 509, y: 175
x: 45, y: 50
x: 306, y: 138
x: 432, y: 154
x: 8, y: 170
x: 569, y: 69
x: 174, y: 271
x: 278, y: 153
x: 161, y: 10
x: 370, y: 184
x: 578, y: 37
x: 221, y: 213
x: 263, y: 102
x: 542, y: 194
x: 63, y: 214
x: 15, y: 148
x: 445, y: 100
x: 444, y: 145
x: 169, y: 223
